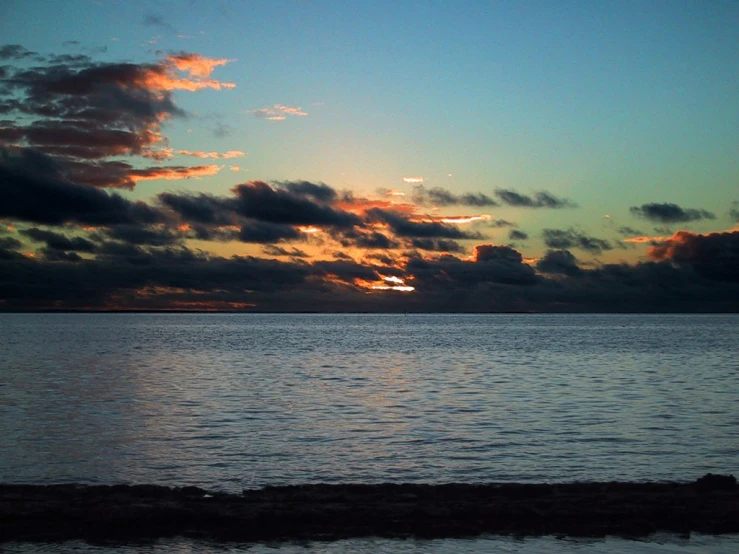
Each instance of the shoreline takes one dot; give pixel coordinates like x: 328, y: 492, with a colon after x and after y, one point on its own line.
x: 50, y: 513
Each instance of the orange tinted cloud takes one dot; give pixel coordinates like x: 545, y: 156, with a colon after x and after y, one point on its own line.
x: 163, y: 76
x: 644, y: 239
x: 171, y: 173
x: 359, y: 205
x: 196, y: 64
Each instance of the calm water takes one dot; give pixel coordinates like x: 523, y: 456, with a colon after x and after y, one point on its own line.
x: 236, y: 401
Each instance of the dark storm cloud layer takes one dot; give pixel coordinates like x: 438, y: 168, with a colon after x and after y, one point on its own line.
x: 690, y: 272
x: 32, y: 189
x: 441, y: 197
x: 670, y: 213
x: 541, y: 199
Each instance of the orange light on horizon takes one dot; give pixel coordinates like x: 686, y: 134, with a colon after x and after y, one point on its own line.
x: 644, y: 239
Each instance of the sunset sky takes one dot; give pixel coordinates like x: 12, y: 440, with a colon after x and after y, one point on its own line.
x: 370, y: 156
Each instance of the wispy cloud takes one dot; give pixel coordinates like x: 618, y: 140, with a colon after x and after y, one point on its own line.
x: 278, y: 112
x: 413, y: 180
x: 170, y: 152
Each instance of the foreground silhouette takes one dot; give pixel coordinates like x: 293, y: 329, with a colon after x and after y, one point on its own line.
x: 326, y: 512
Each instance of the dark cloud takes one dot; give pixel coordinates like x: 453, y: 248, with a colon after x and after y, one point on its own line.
x: 320, y: 192
x: 156, y: 20
x: 499, y: 223
x: 199, y: 208
x: 345, y: 270
x: 274, y: 250
x: 257, y: 200
x: 629, y: 232
x: 561, y: 239
x: 441, y: 197
x: 130, y: 276
x: 32, y: 189
x: 366, y: 239
x: 138, y: 234
x: 541, y: 199
x: 261, y: 232
x: 9, y: 248
x: 734, y: 212
x: 15, y: 52
x: 714, y: 256
x: 57, y: 241
x: 402, y: 226
x: 493, y: 265
x: 670, y: 213
x: 83, y: 112
x: 54, y: 255
x: 559, y: 262
x: 515, y: 234
x: 438, y: 245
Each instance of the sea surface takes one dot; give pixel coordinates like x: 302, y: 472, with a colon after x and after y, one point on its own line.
x: 235, y: 401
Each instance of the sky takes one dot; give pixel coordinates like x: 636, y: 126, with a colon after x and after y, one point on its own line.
x: 370, y: 156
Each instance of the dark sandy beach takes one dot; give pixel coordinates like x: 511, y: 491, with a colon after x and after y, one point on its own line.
x: 326, y: 512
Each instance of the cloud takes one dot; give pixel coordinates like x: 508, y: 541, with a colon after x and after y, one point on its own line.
x: 541, y: 199
x: 438, y: 245
x: 169, y: 152
x: 320, y: 192
x: 714, y: 256
x: 156, y: 20
x: 491, y: 265
x: 278, y: 112
x: 367, y: 239
x: 734, y: 211
x: 515, y: 234
x: 15, y: 52
x: 402, y: 226
x: 669, y: 213
x: 441, y: 197
x: 559, y: 262
x: 257, y: 200
x: 413, y: 180
x: 58, y: 241
x: 9, y: 249
x: 32, y: 189
x: 261, y: 232
x: 629, y: 231
x: 273, y: 250
x: 562, y: 239
x: 200, y: 208
x: 82, y: 113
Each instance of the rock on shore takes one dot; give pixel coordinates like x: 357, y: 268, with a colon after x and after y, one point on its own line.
x: 326, y: 512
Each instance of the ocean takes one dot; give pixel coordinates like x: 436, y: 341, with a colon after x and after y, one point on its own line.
x: 235, y: 401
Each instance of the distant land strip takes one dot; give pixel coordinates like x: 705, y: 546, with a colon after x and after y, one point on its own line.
x: 329, y: 512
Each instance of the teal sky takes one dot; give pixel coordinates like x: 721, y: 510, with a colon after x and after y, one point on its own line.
x: 611, y: 105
